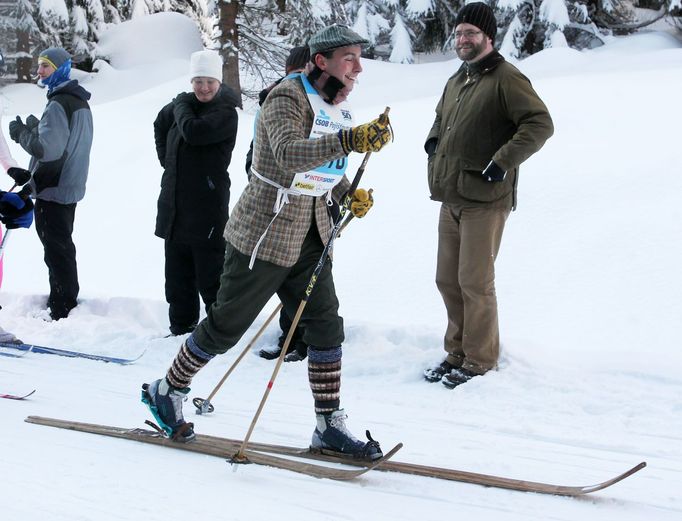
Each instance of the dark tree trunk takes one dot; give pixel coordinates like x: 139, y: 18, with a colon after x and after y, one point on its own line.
x: 229, y: 44
x: 24, y: 64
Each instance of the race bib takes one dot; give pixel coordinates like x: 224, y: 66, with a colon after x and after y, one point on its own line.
x: 328, y: 119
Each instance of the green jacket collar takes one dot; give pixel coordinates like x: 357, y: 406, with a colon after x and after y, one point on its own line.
x: 483, y: 66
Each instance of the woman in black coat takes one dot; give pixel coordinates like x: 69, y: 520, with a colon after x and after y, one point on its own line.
x: 195, y: 135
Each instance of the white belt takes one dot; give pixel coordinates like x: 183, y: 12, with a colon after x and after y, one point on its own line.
x: 281, y: 200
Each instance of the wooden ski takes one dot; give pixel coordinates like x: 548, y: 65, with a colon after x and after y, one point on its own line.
x: 206, y: 445
x: 263, y: 452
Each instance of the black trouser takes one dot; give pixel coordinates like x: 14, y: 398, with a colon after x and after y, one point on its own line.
x: 244, y: 292
x: 54, y: 224
x: 285, y: 322
x: 191, y: 270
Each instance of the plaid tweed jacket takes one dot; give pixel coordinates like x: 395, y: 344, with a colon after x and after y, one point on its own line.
x: 282, y: 149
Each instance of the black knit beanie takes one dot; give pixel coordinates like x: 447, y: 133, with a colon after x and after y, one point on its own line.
x: 297, y: 59
x: 480, y: 15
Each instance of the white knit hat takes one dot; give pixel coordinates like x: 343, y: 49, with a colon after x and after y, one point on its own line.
x: 206, y: 63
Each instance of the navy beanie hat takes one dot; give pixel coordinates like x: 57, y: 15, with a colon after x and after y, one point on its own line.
x: 55, y: 56
x: 480, y: 15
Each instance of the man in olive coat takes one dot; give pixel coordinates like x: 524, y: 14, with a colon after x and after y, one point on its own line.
x: 489, y: 120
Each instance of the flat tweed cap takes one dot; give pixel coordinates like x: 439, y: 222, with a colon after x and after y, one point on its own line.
x: 480, y: 15
x: 333, y: 37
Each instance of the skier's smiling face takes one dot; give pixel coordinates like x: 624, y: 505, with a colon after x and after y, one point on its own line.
x: 344, y: 65
x: 205, y: 88
x: 471, y: 43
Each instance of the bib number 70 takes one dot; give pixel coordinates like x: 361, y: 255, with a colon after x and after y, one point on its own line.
x: 337, y: 164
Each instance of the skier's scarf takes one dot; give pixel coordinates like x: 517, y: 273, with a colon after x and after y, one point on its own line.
x: 330, y: 87
x: 57, y: 77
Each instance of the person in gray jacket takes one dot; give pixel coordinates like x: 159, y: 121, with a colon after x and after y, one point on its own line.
x: 59, y: 144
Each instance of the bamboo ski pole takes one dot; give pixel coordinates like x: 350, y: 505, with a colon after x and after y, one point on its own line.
x: 205, y: 406
x: 240, y: 457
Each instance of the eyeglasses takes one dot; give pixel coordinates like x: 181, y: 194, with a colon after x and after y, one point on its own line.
x: 466, y: 34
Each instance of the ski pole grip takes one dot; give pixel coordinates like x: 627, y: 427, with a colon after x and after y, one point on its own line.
x: 361, y: 169
x: 25, y: 192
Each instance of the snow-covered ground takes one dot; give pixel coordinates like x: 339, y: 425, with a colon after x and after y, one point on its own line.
x: 588, y: 287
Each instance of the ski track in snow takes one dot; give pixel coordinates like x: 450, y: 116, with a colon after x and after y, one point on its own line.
x: 583, y: 442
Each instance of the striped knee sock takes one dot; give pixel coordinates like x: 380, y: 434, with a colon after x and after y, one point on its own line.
x: 189, y: 360
x: 324, y: 375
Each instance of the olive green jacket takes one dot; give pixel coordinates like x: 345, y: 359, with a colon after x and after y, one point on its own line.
x: 488, y: 111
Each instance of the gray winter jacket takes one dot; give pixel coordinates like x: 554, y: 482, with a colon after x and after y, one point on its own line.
x: 60, y: 145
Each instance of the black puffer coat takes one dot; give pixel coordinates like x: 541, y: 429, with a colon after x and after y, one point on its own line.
x: 194, y: 143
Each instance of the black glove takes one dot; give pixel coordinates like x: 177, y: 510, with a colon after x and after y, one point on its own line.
x: 15, y: 212
x: 185, y: 97
x: 493, y: 172
x: 20, y: 175
x: 32, y: 122
x: 16, y: 129
x: 430, y: 146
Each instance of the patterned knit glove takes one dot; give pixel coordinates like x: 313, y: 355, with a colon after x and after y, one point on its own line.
x: 361, y: 202
x: 370, y: 137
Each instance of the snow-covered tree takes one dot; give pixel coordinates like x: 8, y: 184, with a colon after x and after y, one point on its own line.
x: 301, y: 19
x: 79, y: 31
x: 256, y: 41
x: 53, y: 21
x: 553, y: 15
x: 96, y: 22
x: 203, y: 12
x: 371, y: 21
x: 674, y: 8
x: 401, y: 42
x: 112, y: 11
x: 140, y: 8
x: 26, y: 31
x: 432, y: 22
x: 519, y: 17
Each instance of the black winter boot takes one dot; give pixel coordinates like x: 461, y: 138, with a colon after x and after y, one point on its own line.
x: 332, y: 437
x: 457, y: 377
x: 165, y: 403
x: 435, y: 374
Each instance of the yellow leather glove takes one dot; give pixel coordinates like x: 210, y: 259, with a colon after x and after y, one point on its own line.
x: 370, y: 137
x: 361, y: 202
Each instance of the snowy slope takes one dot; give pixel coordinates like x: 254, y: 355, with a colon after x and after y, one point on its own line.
x: 588, y: 286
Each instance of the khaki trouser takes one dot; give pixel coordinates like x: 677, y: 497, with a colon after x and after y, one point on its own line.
x: 468, y: 243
